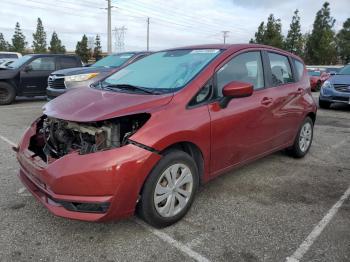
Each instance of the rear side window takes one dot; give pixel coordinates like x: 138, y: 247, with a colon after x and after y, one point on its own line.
x: 246, y: 67
x: 280, y: 69
x: 299, y: 67
x: 67, y: 62
x: 8, y: 56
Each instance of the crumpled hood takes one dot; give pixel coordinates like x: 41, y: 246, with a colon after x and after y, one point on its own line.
x: 340, y: 79
x: 88, y: 104
x: 83, y: 70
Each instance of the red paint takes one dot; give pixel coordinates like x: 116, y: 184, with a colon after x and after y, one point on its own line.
x: 248, y: 128
x: 237, y: 89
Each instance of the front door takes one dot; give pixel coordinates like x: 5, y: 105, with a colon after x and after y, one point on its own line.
x: 244, y: 129
x: 34, y: 75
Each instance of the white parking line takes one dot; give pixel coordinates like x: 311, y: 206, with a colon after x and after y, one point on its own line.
x: 305, y: 246
x: 8, y: 141
x: 163, y: 236
x: 166, y: 238
x: 21, y: 107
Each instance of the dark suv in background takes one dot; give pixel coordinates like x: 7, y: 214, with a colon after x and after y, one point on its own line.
x: 27, y: 76
x: 62, y: 80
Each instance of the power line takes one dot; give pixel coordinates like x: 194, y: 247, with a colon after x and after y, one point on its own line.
x: 119, y: 37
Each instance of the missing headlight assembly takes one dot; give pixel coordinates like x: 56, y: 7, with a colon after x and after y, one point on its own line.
x: 55, y: 138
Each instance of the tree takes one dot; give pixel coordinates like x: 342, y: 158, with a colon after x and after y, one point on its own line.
x: 39, y: 38
x: 82, y: 49
x: 4, y: 45
x: 56, y: 46
x: 97, y: 49
x: 321, y: 46
x: 18, y: 40
x: 271, y: 34
x: 343, y: 40
x: 294, y: 41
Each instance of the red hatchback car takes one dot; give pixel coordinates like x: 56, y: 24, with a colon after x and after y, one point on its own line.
x: 144, y: 138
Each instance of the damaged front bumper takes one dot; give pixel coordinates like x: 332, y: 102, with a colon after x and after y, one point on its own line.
x: 98, y: 186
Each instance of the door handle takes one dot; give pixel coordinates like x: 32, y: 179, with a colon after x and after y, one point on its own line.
x: 266, y: 101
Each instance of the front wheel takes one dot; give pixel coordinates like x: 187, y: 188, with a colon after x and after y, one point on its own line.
x: 169, y: 190
x: 303, y: 139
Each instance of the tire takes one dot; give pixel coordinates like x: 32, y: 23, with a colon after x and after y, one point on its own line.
x: 158, y: 188
x: 324, y: 104
x: 303, y: 139
x: 7, y: 93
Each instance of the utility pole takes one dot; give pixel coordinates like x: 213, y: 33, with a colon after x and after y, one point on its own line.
x: 109, y: 28
x: 225, y: 35
x: 147, y: 33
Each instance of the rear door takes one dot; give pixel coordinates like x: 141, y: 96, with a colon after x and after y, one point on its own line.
x: 34, y: 80
x: 244, y: 129
x: 286, y: 93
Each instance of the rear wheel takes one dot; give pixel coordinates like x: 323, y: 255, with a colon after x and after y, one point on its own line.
x: 303, y: 139
x: 169, y: 190
x: 324, y: 104
x: 7, y: 93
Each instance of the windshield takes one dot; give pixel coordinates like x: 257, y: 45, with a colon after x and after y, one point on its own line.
x: 167, y: 71
x: 20, y: 61
x: 345, y: 70
x: 314, y: 73
x: 113, y: 60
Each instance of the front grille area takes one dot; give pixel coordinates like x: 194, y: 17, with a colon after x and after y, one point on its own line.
x: 56, y: 82
x: 342, y: 88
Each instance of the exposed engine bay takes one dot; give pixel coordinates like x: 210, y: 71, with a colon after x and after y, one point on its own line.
x: 55, y: 137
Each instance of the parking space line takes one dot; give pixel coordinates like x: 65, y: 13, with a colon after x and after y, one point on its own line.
x: 21, y: 107
x: 166, y: 238
x: 8, y: 141
x: 312, y: 237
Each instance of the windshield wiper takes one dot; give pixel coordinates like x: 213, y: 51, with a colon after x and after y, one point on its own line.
x: 130, y: 87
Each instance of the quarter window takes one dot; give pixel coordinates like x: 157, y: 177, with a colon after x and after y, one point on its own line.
x: 246, y: 67
x: 280, y: 69
x: 43, y: 64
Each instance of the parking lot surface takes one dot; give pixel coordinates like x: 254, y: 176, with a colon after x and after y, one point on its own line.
x: 261, y: 212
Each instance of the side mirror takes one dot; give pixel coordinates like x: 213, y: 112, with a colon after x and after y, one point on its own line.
x: 28, y: 68
x: 235, y: 89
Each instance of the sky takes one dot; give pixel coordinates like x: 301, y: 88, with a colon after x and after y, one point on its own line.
x: 172, y: 22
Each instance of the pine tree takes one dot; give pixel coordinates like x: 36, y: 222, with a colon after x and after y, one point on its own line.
x: 295, y: 41
x: 4, y: 45
x: 39, y: 38
x: 321, y: 47
x: 343, y: 40
x: 82, y: 49
x: 97, y: 49
x: 18, y: 40
x: 56, y: 46
x: 271, y: 34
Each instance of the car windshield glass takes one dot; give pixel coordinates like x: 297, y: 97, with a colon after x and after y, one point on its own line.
x: 345, y: 70
x: 113, y: 60
x: 20, y: 61
x: 314, y: 73
x: 164, y: 71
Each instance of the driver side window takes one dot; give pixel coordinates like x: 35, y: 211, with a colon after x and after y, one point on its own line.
x: 246, y: 67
